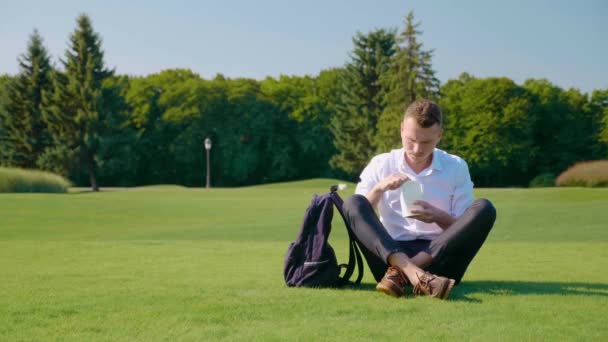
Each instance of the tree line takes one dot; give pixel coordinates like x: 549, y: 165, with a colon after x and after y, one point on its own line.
x: 82, y: 120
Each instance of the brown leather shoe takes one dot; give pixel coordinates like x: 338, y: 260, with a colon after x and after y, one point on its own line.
x: 393, y: 282
x: 434, y: 286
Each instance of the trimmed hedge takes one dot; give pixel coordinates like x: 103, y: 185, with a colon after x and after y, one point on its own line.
x: 21, y: 180
x: 543, y: 180
x: 588, y: 174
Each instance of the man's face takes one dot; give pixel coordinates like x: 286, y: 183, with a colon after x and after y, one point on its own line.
x: 419, y: 142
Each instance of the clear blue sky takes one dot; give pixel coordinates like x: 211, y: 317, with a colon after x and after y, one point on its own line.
x: 563, y: 41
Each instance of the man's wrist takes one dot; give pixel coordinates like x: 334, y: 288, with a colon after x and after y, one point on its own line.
x: 377, y: 190
x: 445, y: 220
x: 374, y: 195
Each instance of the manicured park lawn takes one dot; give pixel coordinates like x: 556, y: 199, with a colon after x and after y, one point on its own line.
x: 172, y: 263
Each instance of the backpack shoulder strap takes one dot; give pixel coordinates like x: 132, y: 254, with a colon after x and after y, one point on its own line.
x: 354, y: 254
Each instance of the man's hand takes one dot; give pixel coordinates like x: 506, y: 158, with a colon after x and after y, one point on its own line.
x: 389, y: 183
x: 432, y: 214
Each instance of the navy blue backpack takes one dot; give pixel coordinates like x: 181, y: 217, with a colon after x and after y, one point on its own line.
x: 310, y: 260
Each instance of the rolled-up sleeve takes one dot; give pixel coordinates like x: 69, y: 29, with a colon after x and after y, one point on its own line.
x: 463, y: 191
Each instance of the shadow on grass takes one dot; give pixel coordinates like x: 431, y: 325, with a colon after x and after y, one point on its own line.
x: 514, y: 288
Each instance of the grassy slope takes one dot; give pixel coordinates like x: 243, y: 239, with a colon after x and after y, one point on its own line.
x: 171, y: 263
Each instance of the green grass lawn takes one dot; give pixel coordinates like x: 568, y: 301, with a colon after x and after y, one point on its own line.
x: 171, y: 263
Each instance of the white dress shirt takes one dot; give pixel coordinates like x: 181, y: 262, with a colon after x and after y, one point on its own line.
x: 446, y: 182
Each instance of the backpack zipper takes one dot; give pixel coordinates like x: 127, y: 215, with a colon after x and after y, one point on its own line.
x: 312, y: 263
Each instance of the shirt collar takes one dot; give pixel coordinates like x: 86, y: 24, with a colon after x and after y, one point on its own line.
x: 435, y: 164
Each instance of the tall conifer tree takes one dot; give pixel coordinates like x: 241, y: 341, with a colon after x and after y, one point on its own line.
x: 410, y: 77
x: 78, y: 108
x: 5, y: 154
x: 354, y: 124
x: 25, y: 133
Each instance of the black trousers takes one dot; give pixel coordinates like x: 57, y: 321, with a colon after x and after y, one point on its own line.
x: 452, y: 251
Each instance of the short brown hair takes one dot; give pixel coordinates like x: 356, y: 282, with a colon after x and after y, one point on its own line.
x: 427, y: 113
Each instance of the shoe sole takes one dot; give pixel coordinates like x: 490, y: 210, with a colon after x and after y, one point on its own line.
x: 389, y: 290
x: 449, y: 289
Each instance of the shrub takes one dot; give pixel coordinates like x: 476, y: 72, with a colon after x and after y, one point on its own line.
x: 20, y: 180
x: 543, y: 180
x: 590, y: 174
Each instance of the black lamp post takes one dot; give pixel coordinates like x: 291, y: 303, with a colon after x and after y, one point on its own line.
x: 208, y: 149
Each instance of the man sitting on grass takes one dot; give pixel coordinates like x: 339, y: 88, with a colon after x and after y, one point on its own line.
x: 432, y: 248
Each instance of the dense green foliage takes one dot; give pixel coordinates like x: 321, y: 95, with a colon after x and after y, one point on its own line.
x: 22, y: 180
x: 168, y: 263
x: 599, y: 110
x: 261, y: 131
x: 94, y: 127
x: 543, y: 180
x: 511, y: 133
x: 488, y: 123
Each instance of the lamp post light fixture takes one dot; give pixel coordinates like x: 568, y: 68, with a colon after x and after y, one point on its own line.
x: 208, y: 149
